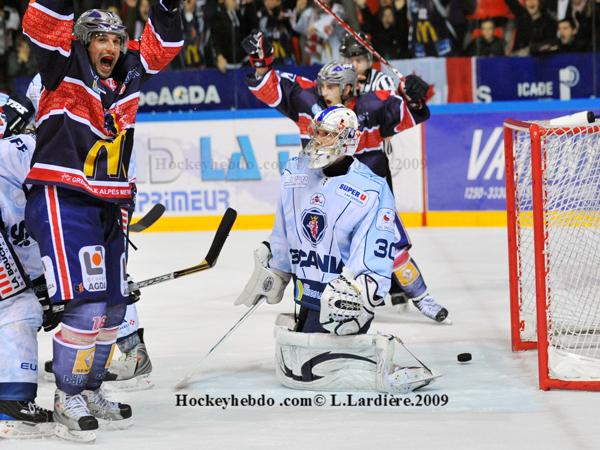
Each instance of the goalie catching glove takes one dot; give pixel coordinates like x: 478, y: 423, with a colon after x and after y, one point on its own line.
x: 265, y: 281
x: 347, y: 304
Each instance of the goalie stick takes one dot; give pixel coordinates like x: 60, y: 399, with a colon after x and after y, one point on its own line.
x: 194, y: 373
x: 209, y: 260
x: 149, y: 219
x: 361, y: 41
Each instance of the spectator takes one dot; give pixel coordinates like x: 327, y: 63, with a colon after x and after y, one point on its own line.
x: 432, y: 33
x: 227, y: 34
x: 487, y: 44
x: 190, y: 54
x: 274, y: 22
x: 390, y: 39
x: 137, y: 16
x: 581, y: 12
x: 568, y: 41
x: 320, y: 33
x: 535, y: 29
x: 9, y: 24
x: 20, y: 60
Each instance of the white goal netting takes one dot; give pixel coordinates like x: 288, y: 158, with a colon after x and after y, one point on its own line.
x: 570, y: 183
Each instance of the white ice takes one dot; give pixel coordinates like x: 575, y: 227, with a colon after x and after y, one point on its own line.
x: 494, y: 401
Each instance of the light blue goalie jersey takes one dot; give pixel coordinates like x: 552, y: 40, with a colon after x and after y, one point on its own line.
x: 15, y: 159
x: 325, y: 223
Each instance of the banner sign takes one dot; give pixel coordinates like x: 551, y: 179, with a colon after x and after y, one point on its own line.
x: 466, y: 172
x: 563, y: 76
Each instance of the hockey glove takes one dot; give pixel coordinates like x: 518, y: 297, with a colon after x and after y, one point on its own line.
x: 415, y: 90
x: 134, y: 295
x: 52, y: 314
x: 259, y: 49
x: 347, y: 304
x: 265, y: 281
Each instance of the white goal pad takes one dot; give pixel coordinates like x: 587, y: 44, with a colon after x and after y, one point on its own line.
x: 325, y: 362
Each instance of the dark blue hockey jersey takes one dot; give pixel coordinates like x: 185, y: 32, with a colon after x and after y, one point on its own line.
x: 381, y: 114
x: 85, y: 124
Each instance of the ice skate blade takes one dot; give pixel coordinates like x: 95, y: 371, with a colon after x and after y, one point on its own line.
x: 87, y: 437
x: 16, y: 429
x: 139, y: 383
x: 114, y: 425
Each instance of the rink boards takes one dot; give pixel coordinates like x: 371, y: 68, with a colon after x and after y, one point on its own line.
x: 449, y: 172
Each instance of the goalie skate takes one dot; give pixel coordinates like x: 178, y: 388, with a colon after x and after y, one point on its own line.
x: 24, y: 420
x: 131, y: 372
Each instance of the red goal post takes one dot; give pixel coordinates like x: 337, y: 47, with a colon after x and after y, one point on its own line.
x: 553, y: 218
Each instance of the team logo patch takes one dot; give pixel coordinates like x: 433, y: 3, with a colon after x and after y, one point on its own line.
x: 317, y: 199
x: 93, y: 269
x: 385, y: 220
x: 83, y: 361
x: 295, y: 180
x: 352, y: 194
x: 407, y: 274
x: 314, y: 223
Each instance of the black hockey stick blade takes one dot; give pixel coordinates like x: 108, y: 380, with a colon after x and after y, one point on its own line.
x: 209, y: 260
x: 222, y: 232
x: 149, y: 219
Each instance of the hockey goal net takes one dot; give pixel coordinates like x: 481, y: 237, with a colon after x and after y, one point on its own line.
x: 553, y: 206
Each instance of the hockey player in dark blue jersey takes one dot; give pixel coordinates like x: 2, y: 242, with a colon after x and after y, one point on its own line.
x: 381, y: 114
x: 80, y: 188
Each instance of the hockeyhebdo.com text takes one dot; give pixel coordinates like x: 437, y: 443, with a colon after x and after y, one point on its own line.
x: 331, y: 400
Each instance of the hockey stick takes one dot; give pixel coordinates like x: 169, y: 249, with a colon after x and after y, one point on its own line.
x: 361, y: 41
x: 194, y: 373
x: 149, y: 219
x: 209, y: 260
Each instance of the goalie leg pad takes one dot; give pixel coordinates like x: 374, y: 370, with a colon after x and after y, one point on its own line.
x: 324, y: 362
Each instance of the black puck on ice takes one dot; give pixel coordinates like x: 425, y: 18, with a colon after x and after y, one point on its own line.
x: 464, y: 357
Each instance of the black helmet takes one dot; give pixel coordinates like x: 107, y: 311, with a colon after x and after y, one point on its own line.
x: 15, y: 115
x: 351, y: 47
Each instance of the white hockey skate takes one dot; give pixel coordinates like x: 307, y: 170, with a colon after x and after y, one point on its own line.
x: 111, y: 415
x: 131, y: 372
x: 74, y: 422
x: 430, y: 308
x: 24, y: 420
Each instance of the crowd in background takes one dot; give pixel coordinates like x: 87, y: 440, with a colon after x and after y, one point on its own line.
x: 302, y: 33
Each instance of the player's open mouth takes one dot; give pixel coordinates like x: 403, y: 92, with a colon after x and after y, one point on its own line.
x: 106, y: 62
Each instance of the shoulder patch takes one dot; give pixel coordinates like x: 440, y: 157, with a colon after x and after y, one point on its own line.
x: 305, y: 83
x: 385, y: 220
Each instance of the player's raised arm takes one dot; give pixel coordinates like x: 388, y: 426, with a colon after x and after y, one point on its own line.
x: 49, y: 26
x: 162, y: 37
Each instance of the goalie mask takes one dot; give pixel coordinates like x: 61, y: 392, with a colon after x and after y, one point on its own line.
x: 16, y: 116
x: 334, y: 134
x: 97, y: 21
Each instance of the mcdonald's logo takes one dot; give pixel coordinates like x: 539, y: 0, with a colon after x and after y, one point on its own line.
x: 425, y: 30
x: 111, y: 150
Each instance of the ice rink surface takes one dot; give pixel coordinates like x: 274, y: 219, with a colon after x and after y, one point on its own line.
x: 493, y: 401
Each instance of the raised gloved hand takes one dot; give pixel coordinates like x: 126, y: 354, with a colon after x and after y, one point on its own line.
x: 415, y: 89
x: 259, y: 49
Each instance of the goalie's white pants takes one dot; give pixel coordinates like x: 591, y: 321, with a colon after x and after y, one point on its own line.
x: 130, y: 323
x: 20, y: 318
x: 367, y: 362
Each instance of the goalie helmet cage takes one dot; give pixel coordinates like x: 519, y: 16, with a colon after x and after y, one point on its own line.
x: 553, y: 218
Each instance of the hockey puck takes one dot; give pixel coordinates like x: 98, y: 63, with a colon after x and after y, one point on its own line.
x: 464, y: 357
